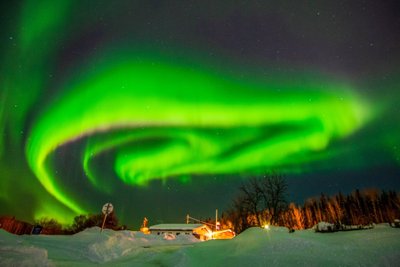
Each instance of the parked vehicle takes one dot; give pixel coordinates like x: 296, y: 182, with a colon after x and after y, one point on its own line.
x: 395, y: 223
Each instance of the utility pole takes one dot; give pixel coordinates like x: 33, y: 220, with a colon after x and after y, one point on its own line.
x: 187, y: 219
x: 216, y: 219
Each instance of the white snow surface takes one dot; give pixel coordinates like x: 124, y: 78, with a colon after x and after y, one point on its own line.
x: 254, y: 247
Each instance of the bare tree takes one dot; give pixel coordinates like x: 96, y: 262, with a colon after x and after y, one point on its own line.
x: 252, y: 199
x: 238, y: 215
x: 260, y: 200
x: 273, y: 188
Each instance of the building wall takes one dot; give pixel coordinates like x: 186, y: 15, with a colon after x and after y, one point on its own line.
x: 175, y: 232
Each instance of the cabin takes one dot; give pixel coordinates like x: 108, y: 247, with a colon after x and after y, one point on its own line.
x: 200, y: 231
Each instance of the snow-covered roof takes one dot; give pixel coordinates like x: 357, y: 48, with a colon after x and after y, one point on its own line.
x: 176, y: 226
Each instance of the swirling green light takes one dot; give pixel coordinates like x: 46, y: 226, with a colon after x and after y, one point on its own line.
x: 27, y: 66
x: 193, y: 121
x: 152, y: 116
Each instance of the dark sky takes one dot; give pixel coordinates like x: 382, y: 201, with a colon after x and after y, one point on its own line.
x: 164, y: 108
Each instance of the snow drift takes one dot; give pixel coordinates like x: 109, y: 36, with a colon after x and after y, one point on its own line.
x: 254, y: 247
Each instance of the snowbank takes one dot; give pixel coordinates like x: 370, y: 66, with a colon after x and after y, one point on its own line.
x: 110, y: 245
x: 254, y: 247
x: 15, y: 252
x: 276, y: 247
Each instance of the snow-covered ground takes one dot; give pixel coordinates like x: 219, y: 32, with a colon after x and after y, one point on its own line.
x: 255, y: 247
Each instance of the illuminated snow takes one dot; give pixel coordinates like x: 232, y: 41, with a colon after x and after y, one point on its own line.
x: 254, y: 247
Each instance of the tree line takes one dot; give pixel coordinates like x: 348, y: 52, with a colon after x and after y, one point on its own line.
x: 80, y: 223
x: 262, y: 201
x: 357, y: 208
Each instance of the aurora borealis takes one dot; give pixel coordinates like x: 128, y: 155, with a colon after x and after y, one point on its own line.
x: 141, y: 104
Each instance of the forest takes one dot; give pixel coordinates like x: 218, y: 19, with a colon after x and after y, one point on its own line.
x: 260, y: 201
x: 358, y: 208
x: 263, y: 201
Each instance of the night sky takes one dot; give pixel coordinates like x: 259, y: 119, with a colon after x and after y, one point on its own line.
x: 164, y: 108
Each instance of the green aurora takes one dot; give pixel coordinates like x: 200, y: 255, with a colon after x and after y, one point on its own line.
x: 159, y: 117
x: 195, y: 105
